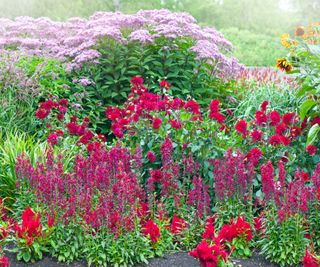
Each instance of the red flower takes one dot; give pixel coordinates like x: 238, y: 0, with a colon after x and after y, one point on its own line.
x: 177, y: 224
x: 50, y: 221
x: 284, y: 140
x: 3, y: 233
x: 256, y: 135
x: 156, y: 123
x: 275, y: 140
x: 318, y: 194
x: 241, y: 127
x: 48, y: 105
x: 102, y: 137
x: 63, y: 102
x: 4, y: 262
x: 118, y: 133
x: 53, y: 139
x: 287, y: 118
x: 281, y: 129
x: 214, y: 105
x: 137, y: 80
x: 258, y: 225
x: 310, y: 260
x: 156, y: 175
x: 73, y: 128
x: 275, y: 118
x: 175, y: 124
x: 264, y: 105
x: 311, y: 149
x: 42, y: 113
x: 165, y: 84
x: 315, y: 120
x: 151, y: 156
x: 209, y: 231
x: 254, y: 155
x: 31, y: 226
x: 295, y: 131
x: 193, y: 107
x: 177, y: 103
x: 60, y: 116
x: 305, y: 176
x: 209, y: 256
x: 261, y: 118
x: 217, y: 116
x: 152, y: 230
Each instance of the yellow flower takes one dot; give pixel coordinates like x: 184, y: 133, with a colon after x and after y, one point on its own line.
x: 283, y: 65
x: 284, y: 40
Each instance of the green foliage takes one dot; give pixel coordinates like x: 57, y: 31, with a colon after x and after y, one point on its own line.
x: 50, y: 75
x: 254, y: 49
x: 281, y: 97
x: 12, y: 144
x: 67, y: 243
x: 284, y: 242
x: 164, y: 59
x: 16, y: 112
x: 102, y: 249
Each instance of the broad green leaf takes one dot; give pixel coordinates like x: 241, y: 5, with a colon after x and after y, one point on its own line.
x: 305, y: 107
x: 313, y: 133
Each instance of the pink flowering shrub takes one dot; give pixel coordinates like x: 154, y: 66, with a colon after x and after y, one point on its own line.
x: 76, y: 39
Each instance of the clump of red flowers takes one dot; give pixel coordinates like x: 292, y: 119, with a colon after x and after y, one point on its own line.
x: 31, y: 227
x: 310, y: 259
x: 177, y: 225
x: 152, y: 230
x: 4, y: 262
x: 239, y: 229
x: 311, y: 149
x: 209, y: 255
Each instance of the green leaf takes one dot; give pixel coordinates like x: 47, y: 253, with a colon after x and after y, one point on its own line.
x: 26, y: 256
x: 306, y: 106
x: 313, y: 133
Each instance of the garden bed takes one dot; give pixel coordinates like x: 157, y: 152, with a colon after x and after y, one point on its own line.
x: 179, y: 259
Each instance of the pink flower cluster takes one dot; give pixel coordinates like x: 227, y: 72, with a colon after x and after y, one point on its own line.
x: 76, y: 38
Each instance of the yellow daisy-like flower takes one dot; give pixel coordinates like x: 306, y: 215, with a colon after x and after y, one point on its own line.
x: 284, y: 40
x: 283, y: 65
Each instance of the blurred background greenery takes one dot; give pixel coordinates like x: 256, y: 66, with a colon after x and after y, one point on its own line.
x: 253, y: 26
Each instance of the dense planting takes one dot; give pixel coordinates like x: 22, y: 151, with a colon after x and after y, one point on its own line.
x: 175, y: 148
